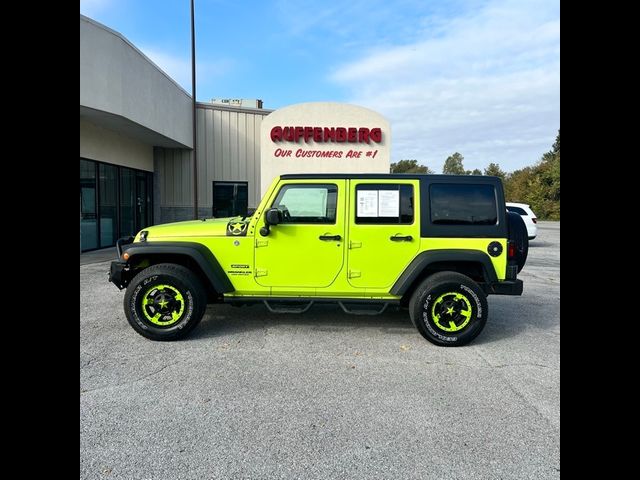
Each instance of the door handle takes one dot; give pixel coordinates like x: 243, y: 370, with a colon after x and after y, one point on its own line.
x: 401, y: 238
x: 330, y: 237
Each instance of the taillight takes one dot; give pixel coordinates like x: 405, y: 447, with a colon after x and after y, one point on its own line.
x: 535, y: 220
x: 512, y: 250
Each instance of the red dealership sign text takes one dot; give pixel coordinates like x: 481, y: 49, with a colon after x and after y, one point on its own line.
x: 326, y: 134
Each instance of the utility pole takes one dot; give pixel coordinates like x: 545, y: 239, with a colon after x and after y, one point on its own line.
x: 193, y: 93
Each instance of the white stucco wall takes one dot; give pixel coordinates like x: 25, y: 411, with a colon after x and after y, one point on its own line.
x: 322, y: 114
x: 102, y: 144
x: 117, y: 78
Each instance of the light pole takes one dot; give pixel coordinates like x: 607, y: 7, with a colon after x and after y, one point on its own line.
x: 193, y: 93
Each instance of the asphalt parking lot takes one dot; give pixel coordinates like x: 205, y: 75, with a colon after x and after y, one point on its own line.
x: 257, y: 395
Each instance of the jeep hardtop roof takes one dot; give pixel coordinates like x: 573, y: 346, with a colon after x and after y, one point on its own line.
x: 386, y: 176
x: 427, y: 228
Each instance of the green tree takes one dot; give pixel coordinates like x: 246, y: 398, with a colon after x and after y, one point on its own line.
x: 409, y: 166
x: 556, y: 145
x: 495, y: 170
x: 538, y: 185
x: 453, y: 165
x: 476, y: 171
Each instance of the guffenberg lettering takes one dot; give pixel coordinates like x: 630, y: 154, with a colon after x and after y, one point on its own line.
x: 326, y: 134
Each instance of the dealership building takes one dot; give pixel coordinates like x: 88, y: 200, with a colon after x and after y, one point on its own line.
x: 136, y: 144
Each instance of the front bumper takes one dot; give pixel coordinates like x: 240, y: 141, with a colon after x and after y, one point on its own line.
x: 507, y: 287
x: 119, y: 274
x: 120, y: 271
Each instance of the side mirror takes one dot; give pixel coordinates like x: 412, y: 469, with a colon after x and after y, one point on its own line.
x: 272, y: 217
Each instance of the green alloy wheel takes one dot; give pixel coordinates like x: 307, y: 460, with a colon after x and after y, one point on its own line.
x: 165, y: 302
x: 163, y: 305
x: 449, y: 309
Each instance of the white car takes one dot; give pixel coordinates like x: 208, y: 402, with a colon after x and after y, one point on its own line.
x: 530, y: 219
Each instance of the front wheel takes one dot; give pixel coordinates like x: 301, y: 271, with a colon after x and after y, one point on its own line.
x: 165, y: 302
x: 449, y: 309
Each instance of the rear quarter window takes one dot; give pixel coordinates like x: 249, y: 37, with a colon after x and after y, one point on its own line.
x: 463, y: 204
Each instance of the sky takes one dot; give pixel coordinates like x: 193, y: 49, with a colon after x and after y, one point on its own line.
x: 481, y: 78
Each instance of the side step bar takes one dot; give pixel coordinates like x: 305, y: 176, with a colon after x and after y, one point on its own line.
x: 343, y: 305
x: 362, y: 311
x: 287, y: 310
x: 353, y: 306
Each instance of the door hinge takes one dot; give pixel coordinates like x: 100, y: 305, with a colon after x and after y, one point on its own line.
x: 353, y: 244
x: 260, y: 272
x: 355, y: 273
x: 261, y: 243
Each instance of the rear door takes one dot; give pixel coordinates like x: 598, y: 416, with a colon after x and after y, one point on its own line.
x: 384, y: 230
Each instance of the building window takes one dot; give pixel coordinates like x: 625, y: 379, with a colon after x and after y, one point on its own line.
x: 230, y: 199
x: 114, y: 202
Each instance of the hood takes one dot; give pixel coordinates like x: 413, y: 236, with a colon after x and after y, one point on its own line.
x: 229, y: 226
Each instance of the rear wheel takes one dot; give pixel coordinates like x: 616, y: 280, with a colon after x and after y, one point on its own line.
x: 165, y: 302
x: 449, y: 309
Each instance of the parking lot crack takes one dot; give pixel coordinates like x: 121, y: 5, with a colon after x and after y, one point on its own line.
x: 519, y: 395
x: 521, y: 365
x: 136, y: 380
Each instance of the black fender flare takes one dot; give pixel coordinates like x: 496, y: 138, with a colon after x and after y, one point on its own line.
x: 424, y: 259
x: 200, y: 254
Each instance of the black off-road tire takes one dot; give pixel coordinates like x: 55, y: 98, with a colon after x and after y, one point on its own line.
x: 444, y: 291
x: 185, y: 294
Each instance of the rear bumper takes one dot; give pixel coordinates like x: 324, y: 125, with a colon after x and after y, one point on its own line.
x: 508, y: 287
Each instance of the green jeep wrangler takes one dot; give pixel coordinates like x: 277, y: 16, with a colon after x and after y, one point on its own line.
x: 435, y: 244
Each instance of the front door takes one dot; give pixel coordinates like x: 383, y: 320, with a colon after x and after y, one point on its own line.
x: 307, y: 248
x: 384, y: 230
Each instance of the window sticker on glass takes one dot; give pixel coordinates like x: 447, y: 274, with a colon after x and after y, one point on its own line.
x: 367, y: 203
x: 388, y: 203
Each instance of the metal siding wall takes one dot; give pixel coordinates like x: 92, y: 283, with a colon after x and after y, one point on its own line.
x: 169, y: 199
x: 202, y: 158
x: 186, y: 187
x: 209, y: 134
x: 226, y: 167
x: 256, y: 159
x: 251, y: 158
x: 217, y: 144
x: 233, y: 146
x: 242, y: 146
x: 228, y: 150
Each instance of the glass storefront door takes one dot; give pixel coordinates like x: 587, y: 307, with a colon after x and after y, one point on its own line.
x: 88, y: 212
x: 115, y: 202
x: 108, y: 188
x: 142, y: 202
x: 127, y: 202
